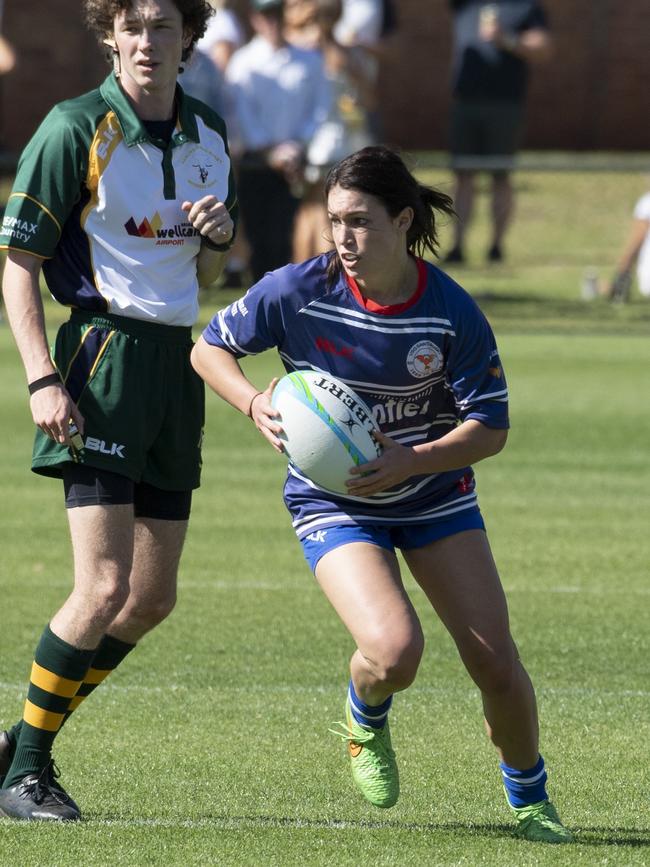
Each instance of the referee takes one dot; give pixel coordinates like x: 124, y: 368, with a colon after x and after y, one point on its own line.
x: 124, y: 198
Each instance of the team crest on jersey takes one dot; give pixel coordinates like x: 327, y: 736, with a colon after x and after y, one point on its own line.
x: 202, y: 167
x: 423, y: 359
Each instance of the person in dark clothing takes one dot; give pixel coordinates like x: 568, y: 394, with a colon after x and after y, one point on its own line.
x: 493, y: 46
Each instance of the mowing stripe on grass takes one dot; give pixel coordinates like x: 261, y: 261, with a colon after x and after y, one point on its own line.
x: 250, y: 689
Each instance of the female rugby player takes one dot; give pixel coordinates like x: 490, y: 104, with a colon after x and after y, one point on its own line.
x: 416, y: 348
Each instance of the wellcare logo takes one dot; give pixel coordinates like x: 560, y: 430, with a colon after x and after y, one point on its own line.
x: 163, y: 235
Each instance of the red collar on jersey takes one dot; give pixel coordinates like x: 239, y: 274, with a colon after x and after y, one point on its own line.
x: 390, y: 309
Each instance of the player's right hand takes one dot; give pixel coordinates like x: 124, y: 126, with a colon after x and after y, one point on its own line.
x: 265, y: 416
x: 52, y: 408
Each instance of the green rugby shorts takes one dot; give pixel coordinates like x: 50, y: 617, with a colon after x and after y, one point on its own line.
x: 142, y: 401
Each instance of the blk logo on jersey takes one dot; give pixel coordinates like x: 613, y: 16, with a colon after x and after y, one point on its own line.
x: 317, y: 536
x: 423, y: 359
x: 114, y: 449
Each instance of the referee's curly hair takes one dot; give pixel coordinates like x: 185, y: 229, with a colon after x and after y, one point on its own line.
x: 100, y: 15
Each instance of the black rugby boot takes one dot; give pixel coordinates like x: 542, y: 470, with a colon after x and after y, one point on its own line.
x: 6, y: 755
x: 38, y: 797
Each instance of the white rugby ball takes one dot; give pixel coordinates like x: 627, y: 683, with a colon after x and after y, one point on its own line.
x: 326, y: 427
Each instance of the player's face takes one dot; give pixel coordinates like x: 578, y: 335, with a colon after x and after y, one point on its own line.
x: 368, y: 240
x: 150, y: 39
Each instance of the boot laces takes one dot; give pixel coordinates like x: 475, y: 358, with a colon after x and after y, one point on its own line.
x: 42, y: 787
x: 380, y: 749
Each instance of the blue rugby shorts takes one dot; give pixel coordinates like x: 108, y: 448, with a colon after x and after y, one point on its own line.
x: 402, y: 536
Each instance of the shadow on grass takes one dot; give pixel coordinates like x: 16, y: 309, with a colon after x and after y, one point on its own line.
x: 632, y: 837
x: 587, y: 836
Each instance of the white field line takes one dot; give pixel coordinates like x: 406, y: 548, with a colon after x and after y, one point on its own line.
x: 252, y: 689
x: 225, y: 823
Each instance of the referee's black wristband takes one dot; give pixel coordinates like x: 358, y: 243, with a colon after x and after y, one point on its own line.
x: 218, y: 248
x: 43, y: 382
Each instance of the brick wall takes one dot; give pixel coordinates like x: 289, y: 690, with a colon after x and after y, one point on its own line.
x: 57, y: 58
x: 593, y: 95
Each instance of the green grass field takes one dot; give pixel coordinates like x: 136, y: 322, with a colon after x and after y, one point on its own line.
x: 210, y: 744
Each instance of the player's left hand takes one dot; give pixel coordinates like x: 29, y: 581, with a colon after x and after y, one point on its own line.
x: 211, y: 218
x: 394, y: 465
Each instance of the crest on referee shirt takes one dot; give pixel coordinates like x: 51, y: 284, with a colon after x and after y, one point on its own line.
x: 423, y: 359
x: 203, y: 167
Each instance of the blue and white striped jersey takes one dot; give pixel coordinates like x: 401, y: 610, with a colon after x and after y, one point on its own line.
x: 421, y: 366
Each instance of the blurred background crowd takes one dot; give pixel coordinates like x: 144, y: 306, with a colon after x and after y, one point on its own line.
x: 302, y: 83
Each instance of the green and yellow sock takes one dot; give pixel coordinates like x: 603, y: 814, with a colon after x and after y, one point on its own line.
x: 57, y: 673
x: 108, y: 656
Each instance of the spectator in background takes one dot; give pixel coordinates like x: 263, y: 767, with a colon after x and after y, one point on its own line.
x: 7, y: 56
x: 301, y: 25
x: 493, y: 46
x: 7, y: 63
x: 364, y: 24
x: 203, y: 80
x: 224, y: 35
x: 280, y: 95
x: 361, y: 23
x: 351, y: 73
x: 636, y: 249
x: 7, y: 53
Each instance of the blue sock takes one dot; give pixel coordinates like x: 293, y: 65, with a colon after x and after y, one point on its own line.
x: 368, y: 715
x: 525, y: 787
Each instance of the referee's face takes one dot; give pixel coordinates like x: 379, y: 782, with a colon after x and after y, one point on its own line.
x: 370, y: 243
x: 150, y: 39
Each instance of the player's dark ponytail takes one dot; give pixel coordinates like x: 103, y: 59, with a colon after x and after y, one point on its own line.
x: 381, y: 172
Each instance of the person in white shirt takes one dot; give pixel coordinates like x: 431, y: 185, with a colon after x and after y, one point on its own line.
x: 351, y: 73
x: 360, y: 23
x: 636, y: 249
x: 362, y: 26
x: 279, y: 95
x: 223, y: 36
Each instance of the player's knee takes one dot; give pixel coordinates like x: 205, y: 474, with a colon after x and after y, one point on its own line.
x: 493, y: 671
x: 149, y: 612
x: 106, y: 598
x: 397, y: 664
x: 161, y: 609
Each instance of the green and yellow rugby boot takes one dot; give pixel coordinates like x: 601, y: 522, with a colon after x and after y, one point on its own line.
x: 372, y: 760
x: 540, y: 823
